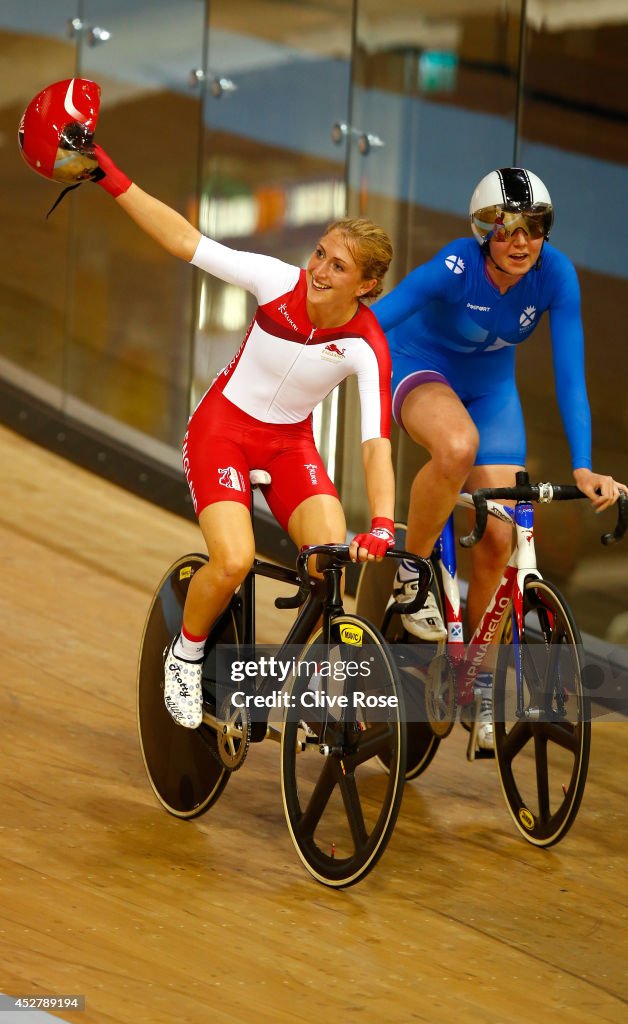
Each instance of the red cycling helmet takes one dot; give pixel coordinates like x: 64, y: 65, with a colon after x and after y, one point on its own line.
x: 57, y: 128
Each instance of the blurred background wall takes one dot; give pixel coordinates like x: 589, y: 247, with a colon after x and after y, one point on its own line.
x: 264, y: 120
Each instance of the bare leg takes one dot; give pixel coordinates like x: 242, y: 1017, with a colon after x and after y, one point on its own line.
x: 436, y: 419
x: 228, y: 534
x: 489, y: 557
x: 318, y: 520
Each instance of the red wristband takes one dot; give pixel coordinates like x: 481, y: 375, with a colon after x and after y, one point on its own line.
x: 108, y: 176
x: 383, y: 524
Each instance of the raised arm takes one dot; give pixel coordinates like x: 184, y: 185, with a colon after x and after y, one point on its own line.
x: 167, y: 227
x: 264, y: 276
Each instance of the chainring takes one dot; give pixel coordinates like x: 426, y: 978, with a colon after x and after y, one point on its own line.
x: 233, y: 735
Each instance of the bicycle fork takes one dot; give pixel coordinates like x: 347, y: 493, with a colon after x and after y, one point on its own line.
x: 479, y: 655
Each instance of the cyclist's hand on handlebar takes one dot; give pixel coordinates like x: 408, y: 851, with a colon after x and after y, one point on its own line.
x: 602, y: 490
x: 372, y: 546
x: 108, y: 176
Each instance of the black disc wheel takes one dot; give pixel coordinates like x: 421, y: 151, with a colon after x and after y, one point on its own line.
x: 183, y: 765
x: 413, y: 658
x: 340, y: 808
x: 542, y: 718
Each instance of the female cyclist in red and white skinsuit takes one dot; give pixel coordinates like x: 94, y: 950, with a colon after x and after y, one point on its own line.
x: 310, y: 331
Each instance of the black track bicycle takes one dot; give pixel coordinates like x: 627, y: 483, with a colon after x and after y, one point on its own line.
x: 337, y: 722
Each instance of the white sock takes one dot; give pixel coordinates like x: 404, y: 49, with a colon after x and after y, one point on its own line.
x: 484, y: 680
x: 189, y: 650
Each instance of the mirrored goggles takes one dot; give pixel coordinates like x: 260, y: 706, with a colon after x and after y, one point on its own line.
x: 501, y: 224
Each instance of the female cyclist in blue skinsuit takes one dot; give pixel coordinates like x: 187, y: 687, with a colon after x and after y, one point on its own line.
x: 453, y: 325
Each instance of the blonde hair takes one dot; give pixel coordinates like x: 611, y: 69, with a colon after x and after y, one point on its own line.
x: 370, y: 247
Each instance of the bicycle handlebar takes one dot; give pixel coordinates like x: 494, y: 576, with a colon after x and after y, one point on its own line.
x: 543, y: 493
x: 333, y: 556
x: 337, y: 552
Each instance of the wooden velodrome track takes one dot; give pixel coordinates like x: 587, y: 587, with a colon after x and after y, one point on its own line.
x: 157, y: 920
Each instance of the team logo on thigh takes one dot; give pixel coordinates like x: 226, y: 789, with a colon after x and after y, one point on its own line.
x: 231, y: 478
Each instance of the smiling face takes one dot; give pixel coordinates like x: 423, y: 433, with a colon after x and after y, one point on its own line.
x: 512, y: 258
x: 335, y: 282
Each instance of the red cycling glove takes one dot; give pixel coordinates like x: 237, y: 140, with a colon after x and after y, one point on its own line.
x: 380, y: 539
x: 108, y: 176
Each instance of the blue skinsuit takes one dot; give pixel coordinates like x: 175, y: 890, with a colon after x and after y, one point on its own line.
x: 447, y: 317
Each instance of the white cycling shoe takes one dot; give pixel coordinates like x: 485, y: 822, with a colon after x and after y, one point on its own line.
x: 484, y: 738
x: 183, y: 692
x: 426, y: 623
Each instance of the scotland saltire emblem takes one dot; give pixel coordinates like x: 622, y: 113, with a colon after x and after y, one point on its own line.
x: 455, y: 264
x: 527, y: 318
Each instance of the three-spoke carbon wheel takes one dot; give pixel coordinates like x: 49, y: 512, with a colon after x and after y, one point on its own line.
x: 183, y: 765
x: 340, y: 808
x: 542, y: 739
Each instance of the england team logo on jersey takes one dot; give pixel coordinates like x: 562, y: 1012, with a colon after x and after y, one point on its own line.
x: 229, y: 477
x: 311, y: 468
x: 455, y: 264
x: 333, y: 353
x: 527, y: 318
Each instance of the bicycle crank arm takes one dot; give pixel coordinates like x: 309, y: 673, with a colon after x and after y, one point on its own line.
x: 219, y: 726
x: 473, y: 733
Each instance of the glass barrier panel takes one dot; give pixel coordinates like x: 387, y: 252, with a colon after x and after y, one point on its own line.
x: 33, y: 276
x: 574, y: 134
x: 129, y: 357
x: 434, y: 104
x: 277, y: 81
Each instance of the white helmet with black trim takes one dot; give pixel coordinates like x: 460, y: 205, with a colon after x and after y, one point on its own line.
x: 508, y: 199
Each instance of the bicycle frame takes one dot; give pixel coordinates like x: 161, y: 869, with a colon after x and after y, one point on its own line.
x: 312, y: 603
x: 316, y: 598
x: 311, y: 607
x: 469, y: 659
